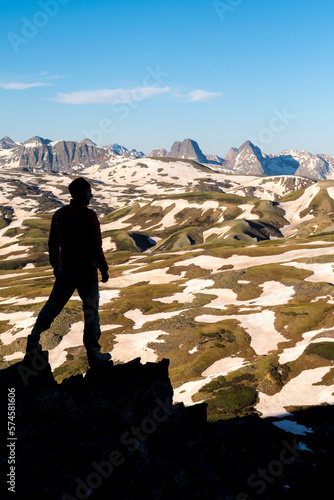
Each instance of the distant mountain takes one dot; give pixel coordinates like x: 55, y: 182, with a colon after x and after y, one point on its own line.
x: 247, y: 160
x: 187, y: 149
x: 7, y: 143
x: 231, y: 154
x: 88, y: 142
x: 38, y: 153
x: 214, y: 159
x: 190, y: 150
x: 62, y: 156
x: 121, y: 150
x: 59, y: 156
x: 35, y: 142
x: 317, y: 166
x: 158, y: 152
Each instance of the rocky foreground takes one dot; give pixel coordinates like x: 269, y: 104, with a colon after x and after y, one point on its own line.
x: 115, y: 433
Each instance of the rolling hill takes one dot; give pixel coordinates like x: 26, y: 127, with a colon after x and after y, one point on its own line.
x: 230, y: 277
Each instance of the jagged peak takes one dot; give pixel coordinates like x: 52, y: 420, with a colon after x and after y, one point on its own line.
x: 188, y: 148
x: 7, y: 143
x: 36, y: 141
x: 87, y: 141
x: 247, y: 144
x: 8, y: 139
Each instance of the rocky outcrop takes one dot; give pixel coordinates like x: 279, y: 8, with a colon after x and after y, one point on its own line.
x: 115, y: 433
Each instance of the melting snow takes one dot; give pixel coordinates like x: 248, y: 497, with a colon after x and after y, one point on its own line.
x: 330, y: 191
x: 140, y: 319
x: 260, y: 327
x: 216, y: 230
x: 294, y: 208
x: 15, y: 355
x: 108, y: 244
x: 74, y: 338
x: 179, y: 205
x: 23, y: 322
x: 224, y: 366
x: 299, y: 391
x: 247, y: 212
x: 245, y: 261
x: 156, y: 277
x: 274, y: 293
x: 191, y: 287
x: 107, y: 296
x: 133, y: 345
x: 292, y: 353
x: 184, y: 393
x: 322, y: 272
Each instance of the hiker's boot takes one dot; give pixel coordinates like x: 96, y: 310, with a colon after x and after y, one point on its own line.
x: 99, y: 358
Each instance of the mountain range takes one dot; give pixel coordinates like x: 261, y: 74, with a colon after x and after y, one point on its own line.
x: 66, y: 156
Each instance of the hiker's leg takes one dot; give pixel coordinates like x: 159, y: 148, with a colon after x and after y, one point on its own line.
x: 88, y: 289
x: 62, y: 291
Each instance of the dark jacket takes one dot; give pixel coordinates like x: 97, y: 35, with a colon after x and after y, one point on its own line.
x: 75, y: 241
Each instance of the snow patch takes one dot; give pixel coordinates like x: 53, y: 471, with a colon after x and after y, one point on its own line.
x: 74, y: 338
x: 260, y: 326
x: 191, y: 287
x: 184, y: 393
x: 133, y: 345
x: 300, y: 391
x: 140, y: 319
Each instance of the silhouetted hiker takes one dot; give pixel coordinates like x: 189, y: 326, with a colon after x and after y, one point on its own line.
x: 75, y: 252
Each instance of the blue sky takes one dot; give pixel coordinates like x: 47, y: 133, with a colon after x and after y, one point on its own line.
x: 147, y: 73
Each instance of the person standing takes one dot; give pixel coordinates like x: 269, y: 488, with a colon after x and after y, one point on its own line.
x: 76, y: 255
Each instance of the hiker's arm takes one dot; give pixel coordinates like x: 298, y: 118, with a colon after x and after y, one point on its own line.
x: 53, y: 245
x: 100, y: 259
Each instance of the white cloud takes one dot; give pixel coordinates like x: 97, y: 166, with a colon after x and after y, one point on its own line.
x: 110, y: 96
x: 21, y: 85
x: 202, y: 95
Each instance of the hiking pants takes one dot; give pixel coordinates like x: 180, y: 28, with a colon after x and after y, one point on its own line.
x: 86, y: 283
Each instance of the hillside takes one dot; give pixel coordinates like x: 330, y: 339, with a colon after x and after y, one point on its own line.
x: 228, y: 277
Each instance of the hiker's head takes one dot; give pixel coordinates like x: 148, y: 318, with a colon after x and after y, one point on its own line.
x: 80, y: 190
